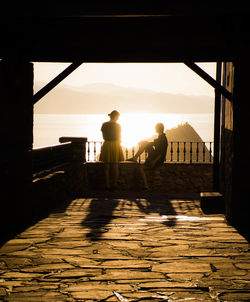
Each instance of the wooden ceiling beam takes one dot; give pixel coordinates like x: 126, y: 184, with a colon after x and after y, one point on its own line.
x: 47, y: 88
x: 209, y: 80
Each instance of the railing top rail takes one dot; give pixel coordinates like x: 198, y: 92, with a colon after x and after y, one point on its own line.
x: 101, y: 141
x: 180, y: 141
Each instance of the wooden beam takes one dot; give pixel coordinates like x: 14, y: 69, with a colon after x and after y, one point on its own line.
x: 217, y: 125
x: 47, y: 88
x: 210, y: 80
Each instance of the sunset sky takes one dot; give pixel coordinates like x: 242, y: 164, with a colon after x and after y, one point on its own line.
x: 168, y: 78
x: 161, y: 77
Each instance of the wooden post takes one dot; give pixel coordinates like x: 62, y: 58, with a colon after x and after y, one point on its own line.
x: 238, y: 208
x: 16, y: 134
x: 217, y: 116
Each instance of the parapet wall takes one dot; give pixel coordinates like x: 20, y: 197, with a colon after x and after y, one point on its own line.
x: 170, y: 178
x: 54, y: 187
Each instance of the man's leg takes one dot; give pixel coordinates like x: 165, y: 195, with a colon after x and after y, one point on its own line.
x: 144, y: 177
x: 142, y: 147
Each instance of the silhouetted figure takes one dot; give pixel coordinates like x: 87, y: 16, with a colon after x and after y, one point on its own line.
x: 156, y: 152
x: 111, y: 151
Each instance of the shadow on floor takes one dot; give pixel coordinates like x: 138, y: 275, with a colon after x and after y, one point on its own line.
x: 101, y: 212
x: 161, y: 206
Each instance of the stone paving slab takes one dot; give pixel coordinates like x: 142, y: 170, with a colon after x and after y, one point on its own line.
x: 132, y: 249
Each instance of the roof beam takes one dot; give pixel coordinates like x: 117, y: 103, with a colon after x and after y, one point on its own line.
x: 227, y: 94
x: 47, y: 88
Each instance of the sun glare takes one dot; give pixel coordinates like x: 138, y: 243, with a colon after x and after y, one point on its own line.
x: 141, y: 126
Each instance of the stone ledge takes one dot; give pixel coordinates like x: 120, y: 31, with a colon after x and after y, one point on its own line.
x: 169, y: 178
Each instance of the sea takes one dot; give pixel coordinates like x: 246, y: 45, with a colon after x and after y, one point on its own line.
x: 48, y: 128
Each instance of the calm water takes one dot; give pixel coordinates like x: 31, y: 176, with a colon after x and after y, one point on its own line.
x: 135, y: 127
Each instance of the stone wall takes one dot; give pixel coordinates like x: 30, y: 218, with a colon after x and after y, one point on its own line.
x: 170, y: 178
x: 55, y: 187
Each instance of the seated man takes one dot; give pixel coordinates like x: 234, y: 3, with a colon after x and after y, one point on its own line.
x: 156, y: 152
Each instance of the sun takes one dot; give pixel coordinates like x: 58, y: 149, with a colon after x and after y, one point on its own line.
x: 141, y: 126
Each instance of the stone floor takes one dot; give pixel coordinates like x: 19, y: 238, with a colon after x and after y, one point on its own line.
x: 127, y: 249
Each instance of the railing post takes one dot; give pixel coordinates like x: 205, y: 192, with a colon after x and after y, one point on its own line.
x: 204, y: 152
x: 88, y: 151
x: 191, y: 152
x: 133, y: 151
x: 197, y: 152
x: 94, y: 151
x: 178, y: 151
x: 171, y: 152
x: 210, y: 152
x: 184, y: 151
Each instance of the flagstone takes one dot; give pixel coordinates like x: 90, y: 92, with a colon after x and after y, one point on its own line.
x: 175, y: 267
x: 76, y: 273
x: 127, y: 275
x: 243, y: 265
x: 98, y: 287
x: 165, y: 284
x: 45, y: 268
x: 128, y: 264
x: 185, y: 276
x: 19, y: 275
x: 92, y: 294
x: 41, y: 296
x: 81, y: 261
x: 235, y: 296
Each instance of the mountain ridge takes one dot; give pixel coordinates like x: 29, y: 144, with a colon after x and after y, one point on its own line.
x: 99, y: 98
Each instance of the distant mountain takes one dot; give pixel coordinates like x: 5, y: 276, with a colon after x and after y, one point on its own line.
x: 101, y: 98
x: 193, y: 146
x: 183, y: 133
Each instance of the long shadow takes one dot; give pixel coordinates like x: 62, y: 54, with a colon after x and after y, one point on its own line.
x: 100, y: 214
x: 156, y: 205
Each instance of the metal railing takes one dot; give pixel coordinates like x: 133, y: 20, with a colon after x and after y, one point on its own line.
x: 178, y: 152
x: 192, y: 152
